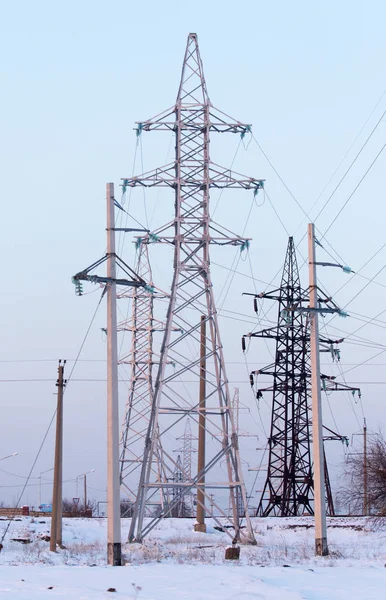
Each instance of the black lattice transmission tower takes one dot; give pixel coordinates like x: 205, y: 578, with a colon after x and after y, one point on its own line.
x: 288, y: 489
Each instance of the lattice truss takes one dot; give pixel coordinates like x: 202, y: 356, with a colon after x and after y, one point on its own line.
x: 190, y: 233
x: 183, y: 473
x: 142, y: 325
x: 288, y: 488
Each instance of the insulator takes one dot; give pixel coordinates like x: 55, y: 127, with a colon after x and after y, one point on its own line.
x: 255, y: 305
x: 78, y: 288
x: 251, y: 379
x: 243, y: 343
x: 259, y: 394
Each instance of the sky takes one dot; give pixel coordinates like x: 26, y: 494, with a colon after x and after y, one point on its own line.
x: 76, y: 76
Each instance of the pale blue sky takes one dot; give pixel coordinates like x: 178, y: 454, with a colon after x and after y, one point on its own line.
x: 76, y: 76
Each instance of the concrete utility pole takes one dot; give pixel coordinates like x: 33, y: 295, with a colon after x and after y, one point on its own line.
x: 200, y: 524
x: 321, y: 547
x: 56, y: 519
x: 114, y: 556
x: 365, y: 489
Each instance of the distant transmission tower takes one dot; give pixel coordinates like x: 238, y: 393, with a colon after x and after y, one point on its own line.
x: 185, y: 467
x: 288, y: 489
x: 178, y: 509
x: 192, y: 175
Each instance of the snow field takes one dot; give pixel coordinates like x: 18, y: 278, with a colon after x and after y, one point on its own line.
x: 175, y: 562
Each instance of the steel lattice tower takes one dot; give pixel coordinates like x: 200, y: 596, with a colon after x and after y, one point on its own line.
x: 141, y: 361
x: 191, y: 176
x: 288, y: 489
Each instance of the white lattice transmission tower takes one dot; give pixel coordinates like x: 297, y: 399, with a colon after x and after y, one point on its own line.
x: 190, y: 233
x: 141, y: 361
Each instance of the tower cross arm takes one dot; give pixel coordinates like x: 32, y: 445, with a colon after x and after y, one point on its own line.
x: 219, y: 177
x: 333, y: 435
x: 271, y: 333
x: 192, y: 119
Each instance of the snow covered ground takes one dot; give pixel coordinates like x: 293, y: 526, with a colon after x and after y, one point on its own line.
x: 174, y: 562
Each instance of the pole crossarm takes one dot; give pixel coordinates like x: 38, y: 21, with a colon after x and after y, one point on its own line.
x: 132, y: 280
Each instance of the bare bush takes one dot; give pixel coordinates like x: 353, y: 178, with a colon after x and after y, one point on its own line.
x: 78, y: 510
x: 352, y: 491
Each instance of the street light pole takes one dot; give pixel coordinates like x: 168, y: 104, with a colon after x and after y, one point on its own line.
x: 84, y: 485
x: 40, y: 483
x: 9, y: 455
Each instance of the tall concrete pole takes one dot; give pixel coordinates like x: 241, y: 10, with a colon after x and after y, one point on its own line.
x: 200, y: 524
x: 365, y: 489
x: 59, y: 522
x: 321, y: 547
x: 114, y: 556
x: 56, y: 519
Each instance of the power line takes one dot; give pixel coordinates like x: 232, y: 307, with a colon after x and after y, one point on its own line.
x: 276, y: 213
x: 360, y: 292
x: 35, y: 360
x: 280, y: 177
x: 350, y: 167
x: 355, y: 189
x: 349, y: 149
x: 361, y: 269
x: 51, y: 421
x: 30, y: 473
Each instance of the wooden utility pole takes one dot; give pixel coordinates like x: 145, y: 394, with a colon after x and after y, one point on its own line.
x: 365, y: 488
x: 200, y: 524
x: 321, y: 547
x: 56, y: 519
x: 114, y: 556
